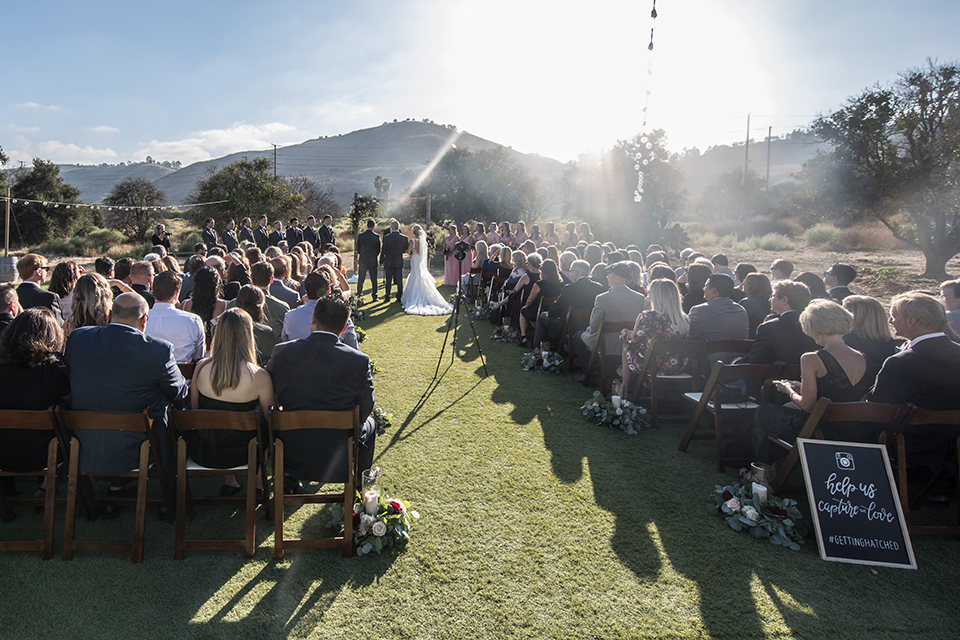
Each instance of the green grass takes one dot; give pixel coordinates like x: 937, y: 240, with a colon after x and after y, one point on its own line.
x: 534, y: 524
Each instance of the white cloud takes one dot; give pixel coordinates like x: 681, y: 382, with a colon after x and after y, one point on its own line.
x: 103, y: 129
x: 70, y: 153
x: 35, y: 105
x: 21, y: 129
x: 213, y: 143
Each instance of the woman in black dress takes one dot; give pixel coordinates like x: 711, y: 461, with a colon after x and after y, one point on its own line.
x: 870, y: 333
x: 548, y: 286
x: 160, y: 237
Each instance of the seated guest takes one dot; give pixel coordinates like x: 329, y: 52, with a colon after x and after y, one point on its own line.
x: 321, y: 373
x: 870, y: 333
x: 32, y: 269
x: 141, y: 279
x: 619, y: 304
x: 950, y: 294
x: 661, y: 270
x: 579, y: 294
x: 520, y: 293
x: 251, y: 300
x: 637, y: 276
x: 742, y: 271
x: 756, y: 300
x: 837, y: 278
x: 814, y: 283
x: 782, y: 339
x: 31, y: 380
x: 104, y: 266
x: 780, y: 270
x: 181, y: 329
x: 296, y: 322
x: 206, y: 300
x: 62, y: 281
x: 229, y: 380
x: 92, y: 300
x: 926, y: 374
x: 171, y: 263
x: 193, y: 265
x: 339, y: 282
x: 548, y: 286
x: 696, y: 280
x: 665, y: 320
x: 719, y: 318
x: 261, y: 273
x: 9, y: 306
x: 118, y: 369
x: 518, y: 259
x: 722, y: 265
x: 598, y: 273
x: 277, y: 288
x: 835, y: 371
x: 566, y: 266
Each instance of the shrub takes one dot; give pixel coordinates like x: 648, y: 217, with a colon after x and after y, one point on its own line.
x: 703, y: 239
x: 769, y: 242
x: 95, y: 243
x: 869, y: 238
x: 187, y: 240
x: 821, y: 234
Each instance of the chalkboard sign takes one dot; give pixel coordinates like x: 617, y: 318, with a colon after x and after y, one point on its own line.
x: 854, y: 504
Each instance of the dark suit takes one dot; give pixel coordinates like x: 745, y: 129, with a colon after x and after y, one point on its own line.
x: 391, y: 257
x: 321, y: 373
x: 144, y: 293
x: 579, y: 294
x: 209, y: 237
x: 5, y: 320
x: 780, y: 340
x: 327, y: 237
x: 262, y: 237
x: 368, y: 250
x: 276, y: 237
x: 294, y: 236
x: 247, y: 234
x: 839, y: 293
x: 719, y: 319
x: 310, y: 235
x: 31, y: 295
x: 282, y: 292
x: 928, y: 376
x: 229, y: 238
x: 117, y: 369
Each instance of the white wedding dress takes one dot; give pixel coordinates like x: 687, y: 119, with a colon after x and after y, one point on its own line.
x: 420, y: 296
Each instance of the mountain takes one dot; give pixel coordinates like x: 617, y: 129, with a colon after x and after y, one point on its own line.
x: 96, y: 181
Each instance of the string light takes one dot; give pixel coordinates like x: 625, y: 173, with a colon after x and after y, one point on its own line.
x: 99, y: 205
x: 639, y: 160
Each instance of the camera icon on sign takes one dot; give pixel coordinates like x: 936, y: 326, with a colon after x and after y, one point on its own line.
x: 845, y: 461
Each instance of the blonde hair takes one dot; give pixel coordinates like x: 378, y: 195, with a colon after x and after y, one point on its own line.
x: 232, y: 349
x: 825, y: 318
x: 869, y: 318
x: 928, y: 311
x: 505, y: 255
x: 518, y: 259
x: 417, y: 229
x: 665, y: 299
x: 92, y: 301
x: 481, y: 248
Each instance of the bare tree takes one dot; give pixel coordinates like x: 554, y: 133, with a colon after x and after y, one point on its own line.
x: 316, y: 201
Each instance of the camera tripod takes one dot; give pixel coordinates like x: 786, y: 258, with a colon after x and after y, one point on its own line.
x: 454, y: 321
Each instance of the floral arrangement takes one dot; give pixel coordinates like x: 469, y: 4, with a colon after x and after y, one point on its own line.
x: 483, y: 313
x: 383, y: 419
x: 361, y: 334
x: 374, y: 367
x: 778, y: 520
x: 542, y: 362
x: 508, y: 335
x: 355, y: 312
x: 389, y: 527
x: 628, y: 416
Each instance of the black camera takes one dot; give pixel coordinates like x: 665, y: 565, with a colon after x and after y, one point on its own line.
x: 460, y: 250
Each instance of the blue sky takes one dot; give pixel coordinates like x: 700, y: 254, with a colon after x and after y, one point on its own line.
x: 99, y: 82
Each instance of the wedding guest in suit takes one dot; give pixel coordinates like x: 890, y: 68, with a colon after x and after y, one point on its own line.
x: 719, y: 318
x: 310, y: 233
x: 294, y: 233
x: 251, y: 299
x: 261, y: 273
x: 395, y: 244
x: 160, y: 237
x: 277, y: 288
x: 368, y: 250
x: 141, y: 280
x: 277, y: 235
x: 9, y: 306
x: 229, y: 236
x: 320, y: 373
x: 837, y: 278
x: 327, y: 236
x: 118, y: 369
x: 782, y: 339
x: 950, y: 294
x: 246, y: 233
x: 722, y: 265
x: 579, y: 294
x: 181, y: 329
x: 32, y: 269
x: 209, y: 235
x: 618, y: 304
x: 261, y: 235
x: 870, y: 333
x: 926, y: 374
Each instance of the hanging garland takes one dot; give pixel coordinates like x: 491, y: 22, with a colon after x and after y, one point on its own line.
x: 639, y: 160
x: 67, y: 205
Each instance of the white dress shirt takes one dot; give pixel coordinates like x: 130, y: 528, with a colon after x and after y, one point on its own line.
x: 183, y: 330
x: 296, y: 322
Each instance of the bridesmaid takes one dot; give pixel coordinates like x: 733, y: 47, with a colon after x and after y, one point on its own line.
x: 506, y: 237
x: 449, y: 262
x: 466, y: 236
x: 551, y: 236
x: 521, y: 235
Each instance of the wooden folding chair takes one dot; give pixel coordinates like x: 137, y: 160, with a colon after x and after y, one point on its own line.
x: 73, y: 421
x: 918, y: 418
x: 486, y: 280
x: 186, y: 370
x: 281, y: 421
x: 247, y: 421
x: 710, y: 400
x: 888, y: 417
x: 545, y: 304
x: 599, y: 348
x: 495, y: 286
x: 575, y: 318
x: 33, y: 421
x: 693, y: 349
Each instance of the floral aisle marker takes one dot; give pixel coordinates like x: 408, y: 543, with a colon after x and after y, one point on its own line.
x: 603, y: 411
x: 777, y: 519
x: 356, y: 313
x: 374, y: 367
x: 383, y: 419
x: 361, y: 334
x: 542, y: 362
x: 506, y: 335
x: 388, y: 527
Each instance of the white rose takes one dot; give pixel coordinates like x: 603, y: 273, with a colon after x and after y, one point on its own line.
x: 379, y: 528
x: 619, y: 412
x: 751, y: 513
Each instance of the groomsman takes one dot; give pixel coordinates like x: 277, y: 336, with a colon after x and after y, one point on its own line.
x: 277, y: 234
x: 368, y: 249
x: 310, y: 233
x: 208, y: 235
x: 246, y: 233
x: 395, y: 244
x: 229, y: 236
x: 294, y: 233
x: 261, y: 235
x: 327, y: 237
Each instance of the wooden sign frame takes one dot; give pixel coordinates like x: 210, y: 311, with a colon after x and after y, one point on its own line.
x: 803, y: 443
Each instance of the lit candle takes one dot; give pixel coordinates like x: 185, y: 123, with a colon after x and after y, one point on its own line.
x: 371, y: 502
x: 506, y: 327
x: 760, y: 492
x: 616, y: 402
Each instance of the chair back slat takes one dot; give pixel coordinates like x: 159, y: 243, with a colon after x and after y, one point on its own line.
x: 31, y: 420
x: 193, y: 419
x: 293, y: 420
x: 932, y: 416
x: 87, y: 420
x: 728, y: 346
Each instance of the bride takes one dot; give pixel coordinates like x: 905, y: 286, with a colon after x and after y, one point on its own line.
x: 420, y: 296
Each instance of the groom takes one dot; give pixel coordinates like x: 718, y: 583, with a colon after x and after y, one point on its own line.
x: 395, y: 244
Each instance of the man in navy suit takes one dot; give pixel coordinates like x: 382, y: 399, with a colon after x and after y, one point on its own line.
x: 261, y: 235
x: 368, y: 250
x: 277, y: 234
x: 32, y: 269
x: 229, y: 236
x: 294, y: 233
x: 209, y: 235
x: 782, y: 339
x: 391, y: 259
x: 118, y: 369
x: 246, y: 233
x: 926, y: 374
x: 327, y: 236
x: 836, y: 279
x: 310, y: 233
x: 321, y: 373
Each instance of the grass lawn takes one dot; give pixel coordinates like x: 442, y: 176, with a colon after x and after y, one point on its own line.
x: 533, y: 523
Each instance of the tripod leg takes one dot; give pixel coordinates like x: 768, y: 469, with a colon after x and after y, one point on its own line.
x: 454, y: 320
x: 477, y: 341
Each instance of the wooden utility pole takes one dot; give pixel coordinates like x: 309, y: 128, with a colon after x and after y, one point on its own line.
x: 274, y: 160
x: 769, y: 136
x: 6, y: 228
x: 746, y: 157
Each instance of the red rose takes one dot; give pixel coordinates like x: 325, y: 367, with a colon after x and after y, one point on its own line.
x: 539, y: 362
x: 778, y: 511
x: 726, y: 496
x: 397, y: 507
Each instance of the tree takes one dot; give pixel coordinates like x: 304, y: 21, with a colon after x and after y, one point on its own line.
x: 130, y: 207
x: 734, y: 197
x: 56, y: 215
x: 363, y: 207
x: 896, y: 157
x: 316, y: 201
x: 3, y: 161
x: 382, y: 186
x: 248, y: 189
